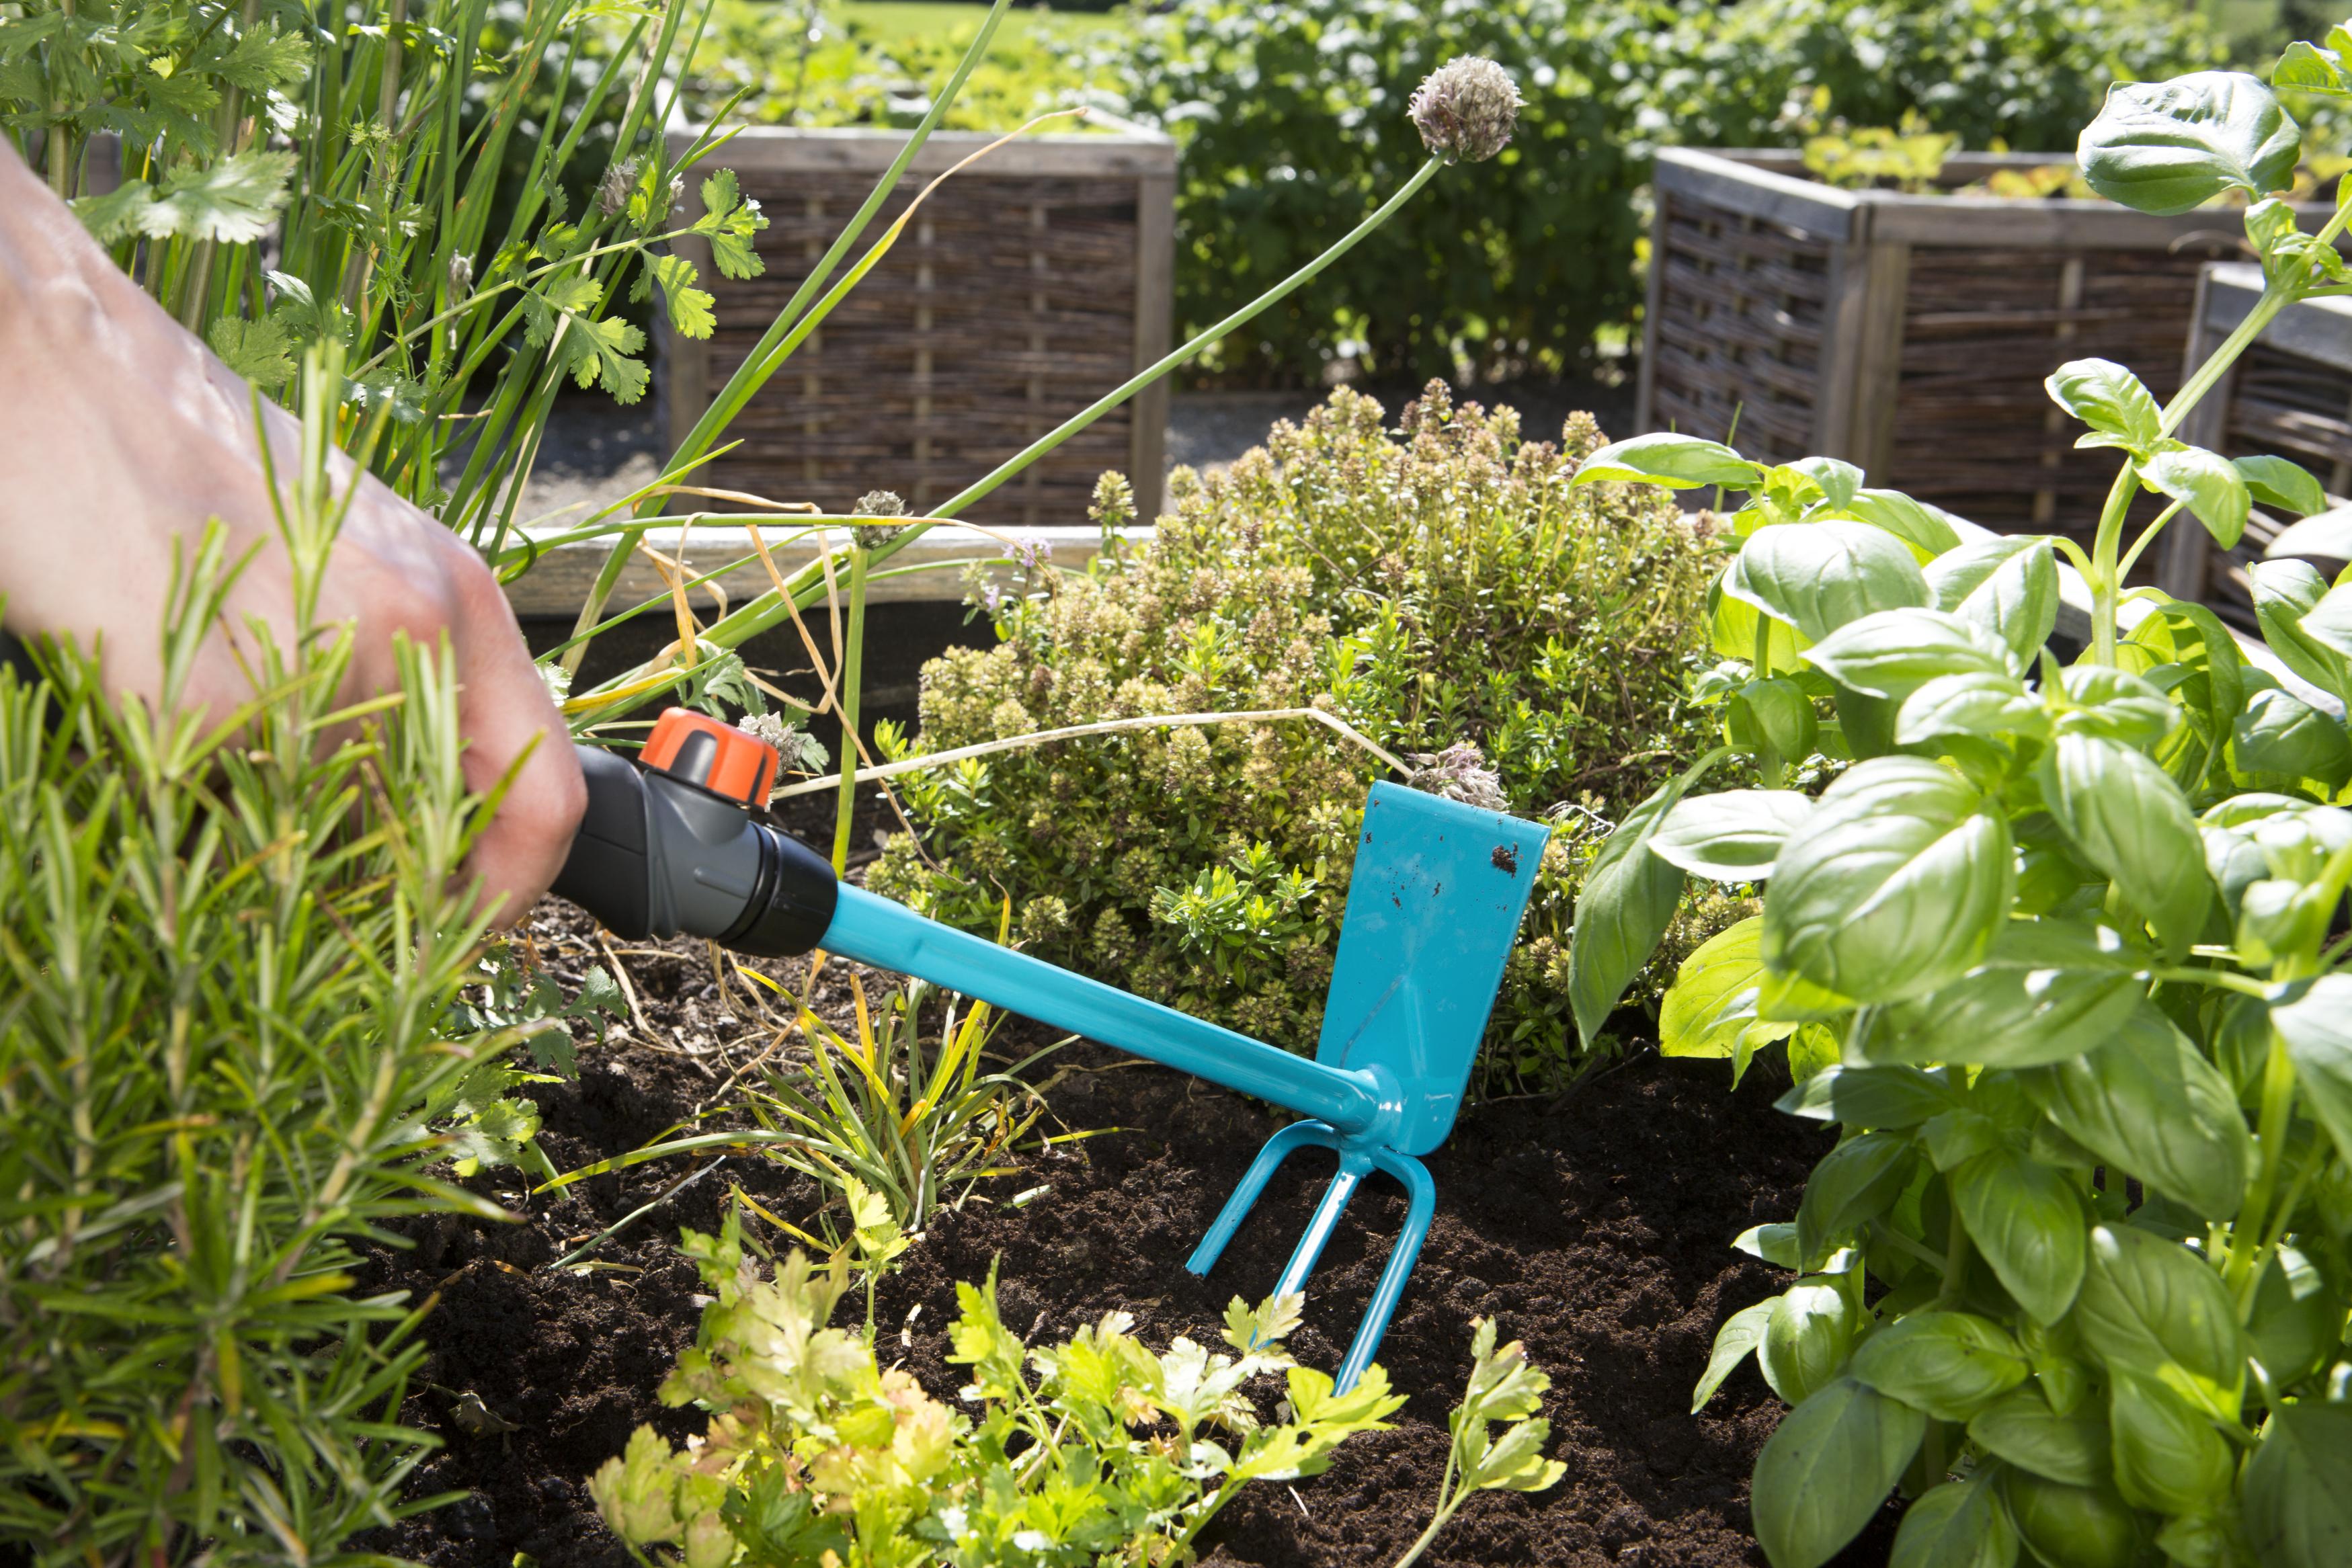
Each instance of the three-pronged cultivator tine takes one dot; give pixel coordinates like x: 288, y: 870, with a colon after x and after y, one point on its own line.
x: 1356, y: 1161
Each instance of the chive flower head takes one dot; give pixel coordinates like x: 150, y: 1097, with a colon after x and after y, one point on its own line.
x: 1466, y: 109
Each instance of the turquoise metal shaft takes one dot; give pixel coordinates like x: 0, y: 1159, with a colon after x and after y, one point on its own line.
x: 891, y: 936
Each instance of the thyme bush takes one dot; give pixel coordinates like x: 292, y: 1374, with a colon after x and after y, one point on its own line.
x: 1441, y: 586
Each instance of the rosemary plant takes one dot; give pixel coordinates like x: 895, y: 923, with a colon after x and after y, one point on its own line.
x: 226, y: 961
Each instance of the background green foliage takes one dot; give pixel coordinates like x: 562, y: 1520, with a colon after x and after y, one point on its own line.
x: 1290, y: 115
x: 1292, y: 122
x: 2026, y: 72
x: 880, y: 64
x: 1442, y: 588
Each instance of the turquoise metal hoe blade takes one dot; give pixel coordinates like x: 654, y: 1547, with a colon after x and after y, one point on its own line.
x: 1433, y: 906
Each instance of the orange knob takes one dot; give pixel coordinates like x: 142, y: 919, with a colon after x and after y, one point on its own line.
x: 698, y: 749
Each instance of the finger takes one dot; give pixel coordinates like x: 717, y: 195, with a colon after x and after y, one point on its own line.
x: 508, y: 714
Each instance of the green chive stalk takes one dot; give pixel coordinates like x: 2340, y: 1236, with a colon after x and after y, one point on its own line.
x: 852, y: 667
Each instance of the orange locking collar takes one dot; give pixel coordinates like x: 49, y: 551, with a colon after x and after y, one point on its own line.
x: 699, y: 749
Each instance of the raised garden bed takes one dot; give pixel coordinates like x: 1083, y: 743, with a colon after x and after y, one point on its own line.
x: 1028, y: 285
x: 1911, y: 334
x: 1593, y: 1228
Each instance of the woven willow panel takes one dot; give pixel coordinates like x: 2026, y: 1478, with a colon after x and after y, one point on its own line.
x: 1975, y: 432
x: 1737, y: 330
x: 1008, y: 306
x: 2284, y: 403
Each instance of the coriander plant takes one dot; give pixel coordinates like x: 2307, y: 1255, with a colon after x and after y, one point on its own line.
x: 2060, y: 949
x: 1096, y: 1450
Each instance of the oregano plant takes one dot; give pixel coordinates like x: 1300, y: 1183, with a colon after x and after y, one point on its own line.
x: 2059, y: 947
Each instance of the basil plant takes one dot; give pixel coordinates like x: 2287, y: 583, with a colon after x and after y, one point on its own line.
x: 2059, y: 946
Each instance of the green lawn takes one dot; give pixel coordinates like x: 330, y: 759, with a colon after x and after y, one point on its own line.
x: 934, y: 19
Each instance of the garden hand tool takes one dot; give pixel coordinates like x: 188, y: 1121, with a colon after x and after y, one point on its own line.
x: 678, y: 843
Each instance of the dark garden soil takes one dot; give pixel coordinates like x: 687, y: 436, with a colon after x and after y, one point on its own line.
x: 1594, y: 1228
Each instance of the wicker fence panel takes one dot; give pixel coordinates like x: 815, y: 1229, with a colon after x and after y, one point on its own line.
x: 1009, y: 305
x: 1974, y: 430
x: 2284, y: 404
x: 1738, y: 329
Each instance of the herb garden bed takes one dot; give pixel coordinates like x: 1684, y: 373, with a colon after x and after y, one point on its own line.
x: 1593, y: 1228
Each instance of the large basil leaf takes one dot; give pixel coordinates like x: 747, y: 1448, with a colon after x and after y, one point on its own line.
x: 2020, y: 1428
x: 2275, y: 482
x: 2207, y: 483
x: 1819, y: 576
x: 1894, y: 652
x: 2297, y: 1320
x: 1772, y: 713
x: 1893, y: 886
x: 2027, y: 1222
x: 1978, y: 704
x: 2166, y: 147
x: 2317, y: 1028
x: 1891, y: 1097
x: 1913, y: 522
x: 2004, y: 1017
x: 1627, y: 900
x: 2107, y: 397
x: 2018, y: 601
x: 2150, y: 1105
x: 1958, y: 1524
x: 1854, y: 1183
x: 2329, y: 622
x: 2284, y: 591
x: 1731, y: 836
x: 2167, y: 1457
x: 2152, y: 1306
x: 1741, y: 1333
x: 2129, y: 820
x: 2081, y: 1527
x: 1678, y: 462
x: 2280, y: 735
x: 1807, y: 1339
x: 1950, y: 1364
x: 1712, y: 1002
x: 2116, y: 705
x: 2298, y: 1488
x: 1829, y: 1465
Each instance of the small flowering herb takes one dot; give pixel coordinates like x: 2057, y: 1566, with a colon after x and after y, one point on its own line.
x: 1465, y: 109
x: 1460, y: 773
x: 613, y: 189
x: 801, y: 752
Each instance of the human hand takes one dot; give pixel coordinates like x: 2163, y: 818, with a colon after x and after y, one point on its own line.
x: 119, y: 433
